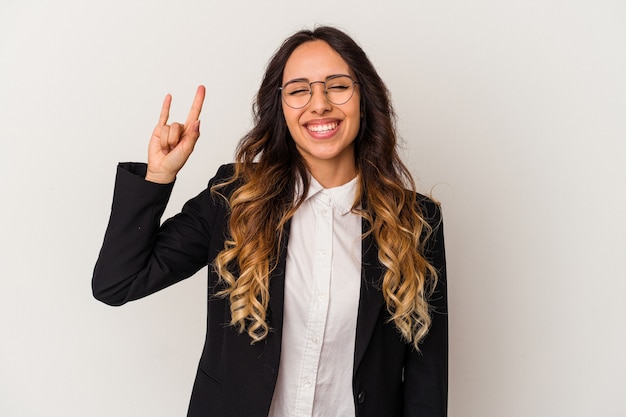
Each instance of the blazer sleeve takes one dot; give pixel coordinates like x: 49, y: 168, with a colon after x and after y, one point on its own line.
x: 139, y: 256
x: 426, y: 371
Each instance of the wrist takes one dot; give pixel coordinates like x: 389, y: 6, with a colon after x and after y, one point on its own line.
x: 159, y: 178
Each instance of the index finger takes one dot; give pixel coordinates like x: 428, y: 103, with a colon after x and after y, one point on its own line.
x: 196, y: 107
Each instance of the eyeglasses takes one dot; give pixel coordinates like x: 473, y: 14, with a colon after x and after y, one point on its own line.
x: 338, y: 90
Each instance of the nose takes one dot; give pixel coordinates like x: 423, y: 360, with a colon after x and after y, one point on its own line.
x: 319, y: 102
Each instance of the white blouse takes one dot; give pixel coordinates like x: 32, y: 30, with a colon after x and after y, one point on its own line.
x: 322, y: 285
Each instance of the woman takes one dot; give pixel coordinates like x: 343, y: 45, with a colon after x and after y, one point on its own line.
x: 327, y: 281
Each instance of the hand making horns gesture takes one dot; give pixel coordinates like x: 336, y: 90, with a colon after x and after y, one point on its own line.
x: 171, y: 145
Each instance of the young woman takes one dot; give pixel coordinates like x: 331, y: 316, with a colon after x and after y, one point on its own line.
x: 327, y: 272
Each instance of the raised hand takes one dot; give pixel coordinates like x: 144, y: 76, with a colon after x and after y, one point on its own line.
x: 171, y: 145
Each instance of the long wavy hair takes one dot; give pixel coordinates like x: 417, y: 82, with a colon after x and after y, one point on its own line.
x: 268, y: 167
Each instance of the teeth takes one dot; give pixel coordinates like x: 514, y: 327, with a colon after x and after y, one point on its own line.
x: 322, y: 128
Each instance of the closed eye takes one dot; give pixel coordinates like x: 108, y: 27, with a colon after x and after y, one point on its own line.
x: 300, y: 91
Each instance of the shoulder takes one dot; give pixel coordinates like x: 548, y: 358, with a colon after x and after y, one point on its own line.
x: 430, y: 209
x: 224, y: 183
x: 223, y: 178
x: 224, y: 173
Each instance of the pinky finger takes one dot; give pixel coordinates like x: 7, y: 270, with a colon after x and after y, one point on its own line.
x: 165, y: 110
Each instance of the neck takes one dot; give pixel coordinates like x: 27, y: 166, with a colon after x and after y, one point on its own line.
x: 333, y: 175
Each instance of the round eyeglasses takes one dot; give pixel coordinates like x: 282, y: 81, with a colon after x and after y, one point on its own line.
x: 338, y: 90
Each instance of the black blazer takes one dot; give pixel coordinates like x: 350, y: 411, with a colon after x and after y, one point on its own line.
x: 235, y: 378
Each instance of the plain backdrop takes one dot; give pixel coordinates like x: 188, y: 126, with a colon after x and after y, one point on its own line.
x: 512, y: 113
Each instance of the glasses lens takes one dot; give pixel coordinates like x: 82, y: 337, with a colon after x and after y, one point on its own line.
x: 297, y: 94
x: 339, y: 89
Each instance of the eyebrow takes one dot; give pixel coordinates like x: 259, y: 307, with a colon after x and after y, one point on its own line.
x: 306, y: 80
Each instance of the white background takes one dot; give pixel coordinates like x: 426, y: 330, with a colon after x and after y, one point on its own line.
x: 512, y: 112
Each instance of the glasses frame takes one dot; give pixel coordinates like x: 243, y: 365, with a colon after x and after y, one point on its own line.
x: 330, y: 77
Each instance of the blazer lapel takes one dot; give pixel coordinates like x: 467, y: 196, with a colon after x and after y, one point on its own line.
x: 371, y: 299
x: 277, y: 288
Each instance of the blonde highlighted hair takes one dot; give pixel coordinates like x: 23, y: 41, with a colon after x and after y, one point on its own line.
x: 267, y: 169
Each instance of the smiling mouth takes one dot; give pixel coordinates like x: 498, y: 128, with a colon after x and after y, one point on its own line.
x: 323, y: 128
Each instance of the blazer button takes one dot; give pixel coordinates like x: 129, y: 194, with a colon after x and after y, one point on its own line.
x: 361, y: 397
